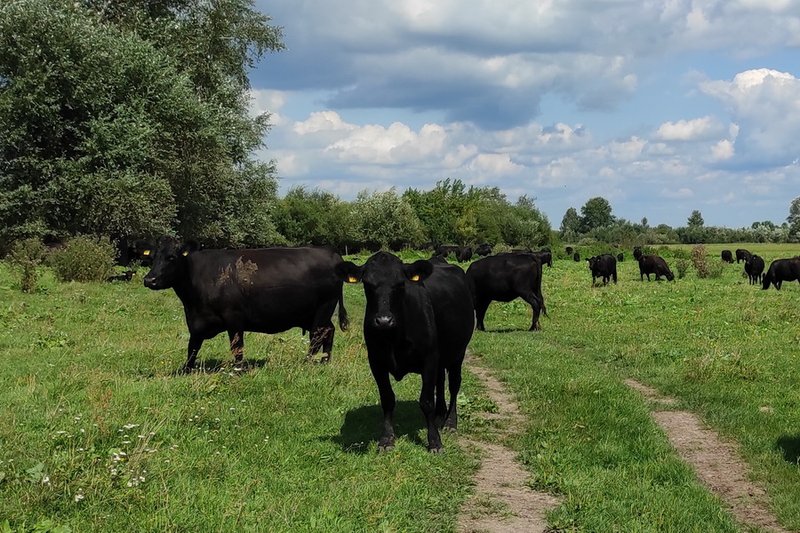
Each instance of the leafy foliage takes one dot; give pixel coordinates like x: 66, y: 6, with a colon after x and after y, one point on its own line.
x: 26, y: 255
x: 84, y: 259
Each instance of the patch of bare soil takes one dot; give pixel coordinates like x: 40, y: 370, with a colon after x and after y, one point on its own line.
x: 502, y: 501
x: 717, y: 463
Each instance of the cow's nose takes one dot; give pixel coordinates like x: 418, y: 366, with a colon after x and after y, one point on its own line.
x: 148, y: 282
x: 384, y: 321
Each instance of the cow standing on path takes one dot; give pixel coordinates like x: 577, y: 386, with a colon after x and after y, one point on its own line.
x: 418, y: 319
x: 504, y: 277
x: 267, y: 290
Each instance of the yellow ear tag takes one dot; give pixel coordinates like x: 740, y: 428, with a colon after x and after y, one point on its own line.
x: 146, y: 253
x: 185, y: 253
x: 415, y: 277
x: 352, y: 279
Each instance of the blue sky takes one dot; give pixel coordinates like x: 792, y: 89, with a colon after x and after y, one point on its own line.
x: 660, y: 106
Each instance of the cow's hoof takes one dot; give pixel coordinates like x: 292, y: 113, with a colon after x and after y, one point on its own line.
x: 387, y: 447
x: 449, y: 425
x: 325, y: 359
x: 436, y: 449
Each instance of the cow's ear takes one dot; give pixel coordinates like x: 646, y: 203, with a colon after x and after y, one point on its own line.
x: 349, y: 272
x: 189, y: 247
x: 418, y: 270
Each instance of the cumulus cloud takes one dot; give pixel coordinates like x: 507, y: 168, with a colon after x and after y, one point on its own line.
x: 683, y: 192
x: 688, y: 130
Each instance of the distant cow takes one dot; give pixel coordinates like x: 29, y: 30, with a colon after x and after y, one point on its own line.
x: 620, y: 257
x: 727, y: 256
x: 576, y: 257
x: 131, y: 250
x: 603, y: 266
x: 742, y: 254
x: 782, y: 270
x: 569, y: 250
x: 125, y: 276
x: 483, y: 249
x: 545, y: 256
x: 637, y: 252
x: 754, y: 266
x: 267, y: 290
x: 464, y: 254
x: 418, y: 319
x: 653, y: 264
x: 445, y: 250
x: 504, y: 277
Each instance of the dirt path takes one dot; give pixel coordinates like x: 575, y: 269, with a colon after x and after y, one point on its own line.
x: 716, y: 462
x: 502, y: 501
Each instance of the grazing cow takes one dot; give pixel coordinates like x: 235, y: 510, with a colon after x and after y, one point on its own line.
x: 464, y: 254
x: 653, y: 264
x: 545, y: 256
x: 569, y: 250
x: 576, y: 257
x: 504, y: 277
x: 483, y: 250
x: 125, y: 276
x: 604, y: 266
x: 418, y: 319
x: 781, y: 270
x: 754, y: 266
x: 620, y: 257
x: 637, y: 252
x: 444, y: 250
x: 267, y: 290
x: 742, y: 254
x: 727, y: 256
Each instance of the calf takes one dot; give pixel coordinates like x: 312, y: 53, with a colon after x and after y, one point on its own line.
x: 781, y: 270
x: 483, y: 250
x: 576, y: 257
x: 742, y: 254
x: 653, y: 264
x: 125, y: 276
x: 267, y: 290
x: 754, y: 267
x: 620, y: 257
x: 604, y: 266
x: 727, y: 256
x: 504, y: 277
x: 418, y: 319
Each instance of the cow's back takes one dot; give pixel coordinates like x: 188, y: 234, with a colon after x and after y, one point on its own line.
x: 448, y: 291
x: 502, y: 275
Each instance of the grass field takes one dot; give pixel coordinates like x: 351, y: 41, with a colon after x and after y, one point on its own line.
x: 97, y: 432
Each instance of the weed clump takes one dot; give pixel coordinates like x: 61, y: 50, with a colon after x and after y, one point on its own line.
x: 25, y: 256
x: 682, y: 266
x: 84, y: 259
x: 704, y: 267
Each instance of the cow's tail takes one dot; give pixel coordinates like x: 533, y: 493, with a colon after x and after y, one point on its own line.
x: 344, y: 322
x: 538, y: 289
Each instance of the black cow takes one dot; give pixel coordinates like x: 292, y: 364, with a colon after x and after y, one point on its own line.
x: 129, y: 251
x: 464, y: 254
x: 545, y: 256
x: 754, y: 266
x: 637, y: 252
x: 742, y: 254
x: 125, y: 276
x: 653, y: 264
x: 604, y: 266
x: 418, y: 319
x: 727, y: 256
x: 569, y: 250
x: 444, y: 250
x: 781, y: 270
x: 620, y: 257
x: 576, y: 257
x: 267, y: 290
x: 504, y: 277
x: 483, y: 249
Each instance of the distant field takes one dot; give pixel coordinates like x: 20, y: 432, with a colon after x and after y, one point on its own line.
x: 87, y: 372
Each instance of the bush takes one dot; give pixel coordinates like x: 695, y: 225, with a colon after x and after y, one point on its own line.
x: 702, y: 265
x: 26, y: 255
x: 682, y: 265
x: 715, y: 269
x: 84, y: 259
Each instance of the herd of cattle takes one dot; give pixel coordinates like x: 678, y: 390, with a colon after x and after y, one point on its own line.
x: 419, y: 317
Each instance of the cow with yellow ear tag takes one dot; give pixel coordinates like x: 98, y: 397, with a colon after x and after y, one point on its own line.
x: 418, y: 319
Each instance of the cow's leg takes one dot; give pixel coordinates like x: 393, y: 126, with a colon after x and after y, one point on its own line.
x: 195, y: 342
x: 480, y: 312
x: 441, y: 403
x: 386, y: 442
x: 426, y: 403
x: 454, y: 381
x: 536, y: 309
x: 237, y: 345
x: 321, y: 336
x: 778, y: 284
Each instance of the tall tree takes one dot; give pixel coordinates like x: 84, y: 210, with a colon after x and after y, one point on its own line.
x: 596, y: 213
x: 794, y: 218
x: 695, y: 220
x: 570, y: 224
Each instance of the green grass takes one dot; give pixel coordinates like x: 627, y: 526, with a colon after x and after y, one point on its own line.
x: 88, y: 371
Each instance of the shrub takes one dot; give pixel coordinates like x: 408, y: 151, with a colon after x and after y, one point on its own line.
x: 84, y: 259
x: 26, y: 255
x: 700, y: 261
x: 682, y: 265
x: 715, y: 269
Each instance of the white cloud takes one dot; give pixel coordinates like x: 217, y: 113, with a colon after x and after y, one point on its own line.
x: 688, y: 130
x: 723, y: 150
x: 682, y: 193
